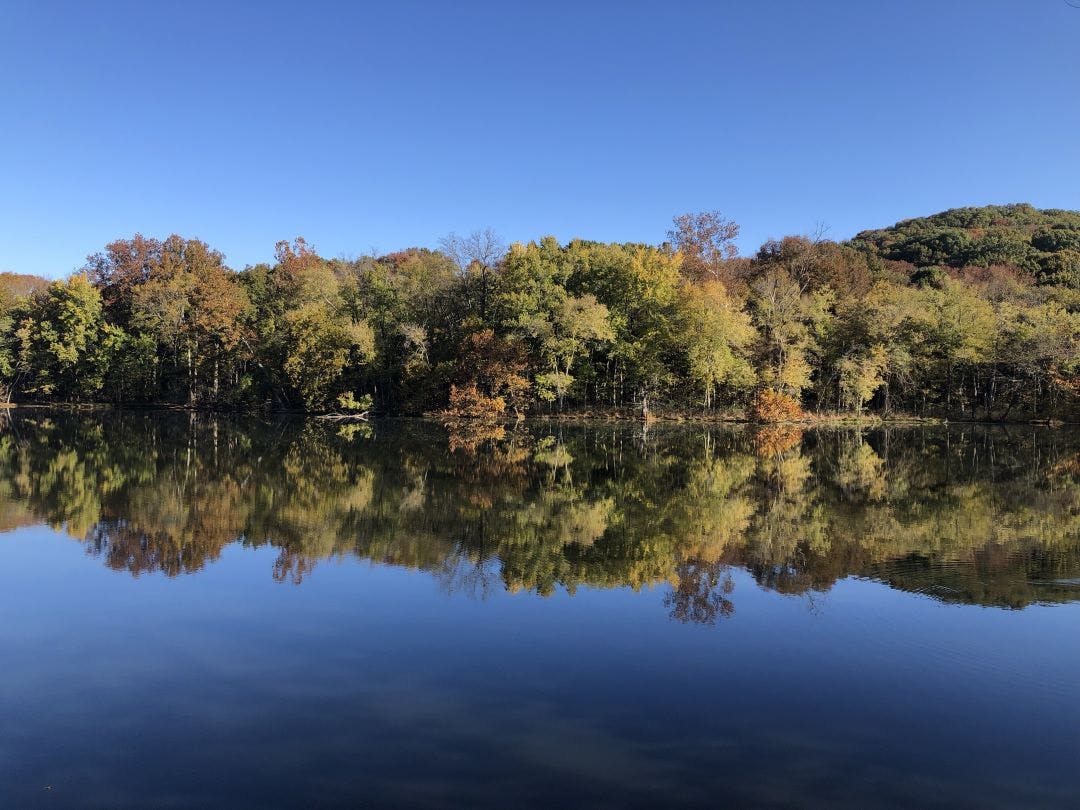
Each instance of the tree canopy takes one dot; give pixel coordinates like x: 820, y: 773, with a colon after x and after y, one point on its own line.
x: 969, y: 314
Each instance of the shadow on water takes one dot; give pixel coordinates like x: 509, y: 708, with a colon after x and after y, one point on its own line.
x: 971, y: 515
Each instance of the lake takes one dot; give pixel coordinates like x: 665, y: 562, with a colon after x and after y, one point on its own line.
x: 268, y: 612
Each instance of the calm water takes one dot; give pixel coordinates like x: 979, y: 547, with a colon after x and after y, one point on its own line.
x: 253, y: 613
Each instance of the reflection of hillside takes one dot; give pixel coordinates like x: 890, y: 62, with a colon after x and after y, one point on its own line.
x: 975, y: 516
x: 996, y: 575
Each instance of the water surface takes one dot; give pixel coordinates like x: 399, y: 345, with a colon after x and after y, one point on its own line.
x: 279, y: 613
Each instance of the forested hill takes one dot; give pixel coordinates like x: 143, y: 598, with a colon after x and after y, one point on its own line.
x: 1044, y: 242
x: 18, y: 285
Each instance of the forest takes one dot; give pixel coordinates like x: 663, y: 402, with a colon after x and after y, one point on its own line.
x: 970, y: 314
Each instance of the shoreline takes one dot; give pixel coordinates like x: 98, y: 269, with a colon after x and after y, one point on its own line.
x: 810, y: 420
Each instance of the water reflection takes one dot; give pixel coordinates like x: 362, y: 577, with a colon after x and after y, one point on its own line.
x: 972, y: 515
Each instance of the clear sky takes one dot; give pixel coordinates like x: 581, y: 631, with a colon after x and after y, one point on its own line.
x: 382, y: 125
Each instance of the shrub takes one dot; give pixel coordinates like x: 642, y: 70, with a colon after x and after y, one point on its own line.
x: 770, y: 405
x: 469, y: 402
x: 349, y: 403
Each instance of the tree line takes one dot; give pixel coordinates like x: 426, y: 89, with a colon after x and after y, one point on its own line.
x: 973, y: 313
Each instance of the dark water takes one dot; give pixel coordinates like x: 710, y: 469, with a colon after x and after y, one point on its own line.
x: 253, y: 614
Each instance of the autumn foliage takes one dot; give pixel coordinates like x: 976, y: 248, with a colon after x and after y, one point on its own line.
x: 969, y: 314
x: 468, y: 402
x: 770, y: 405
x: 772, y: 440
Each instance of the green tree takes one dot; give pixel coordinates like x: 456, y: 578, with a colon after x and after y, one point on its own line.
x: 321, y: 346
x: 58, y: 336
x: 779, y: 313
x: 719, y: 336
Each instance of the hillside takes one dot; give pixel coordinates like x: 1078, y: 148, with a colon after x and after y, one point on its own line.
x: 1043, y: 242
x: 17, y: 285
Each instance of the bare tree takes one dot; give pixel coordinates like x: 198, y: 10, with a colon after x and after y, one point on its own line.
x: 477, y: 255
x: 707, y: 242
x: 484, y: 248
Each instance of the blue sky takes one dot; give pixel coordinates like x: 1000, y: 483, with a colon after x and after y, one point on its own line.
x: 381, y: 125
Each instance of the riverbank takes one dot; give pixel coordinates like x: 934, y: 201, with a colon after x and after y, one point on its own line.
x: 739, y: 418
x: 673, y: 416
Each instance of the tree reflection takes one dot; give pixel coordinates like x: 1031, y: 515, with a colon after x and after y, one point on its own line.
x: 700, y: 593
x: 971, y: 515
